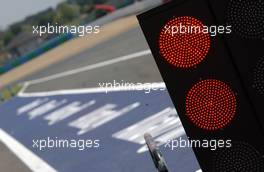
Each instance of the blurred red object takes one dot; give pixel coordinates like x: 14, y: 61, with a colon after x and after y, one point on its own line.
x: 108, y: 8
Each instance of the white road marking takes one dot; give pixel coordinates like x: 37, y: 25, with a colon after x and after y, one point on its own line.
x: 31, y: 160
x: 99, y: 117
x: 164, y: 125
x: 160, y: 85
x: 47, y: 107
x: 92, y: 66
x: 26, y: 84
x: 31, y: 105
x: 67, y: 111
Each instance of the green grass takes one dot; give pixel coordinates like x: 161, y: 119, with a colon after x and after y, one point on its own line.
x: 9, y: 92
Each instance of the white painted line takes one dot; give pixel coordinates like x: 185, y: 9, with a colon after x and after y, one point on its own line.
x: 24, y: 87
x: 163, y: 126
x: 90, y: 67
x: 160, y: 85
x: 26, y: 84
x: 100, y: 116
x: 25, y: 155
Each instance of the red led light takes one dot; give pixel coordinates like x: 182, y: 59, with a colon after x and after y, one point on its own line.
x: 187, y: 48
x: 211, y: 104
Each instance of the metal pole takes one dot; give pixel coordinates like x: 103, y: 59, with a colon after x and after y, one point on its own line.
x: 155, y: 153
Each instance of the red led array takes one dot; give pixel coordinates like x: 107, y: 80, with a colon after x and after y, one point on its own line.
x: 184, y: 49
x: 211, y: 104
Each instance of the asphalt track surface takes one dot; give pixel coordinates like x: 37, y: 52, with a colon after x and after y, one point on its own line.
x: 135, y: 70
x: 119, y: 155
x: 9, y: 161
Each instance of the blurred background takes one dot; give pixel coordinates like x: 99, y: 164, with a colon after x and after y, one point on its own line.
x: 17, y: 43
x: 18, y: 17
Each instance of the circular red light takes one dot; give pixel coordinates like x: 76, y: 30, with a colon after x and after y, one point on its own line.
x: 211, y: 104
x: 184, y: 48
